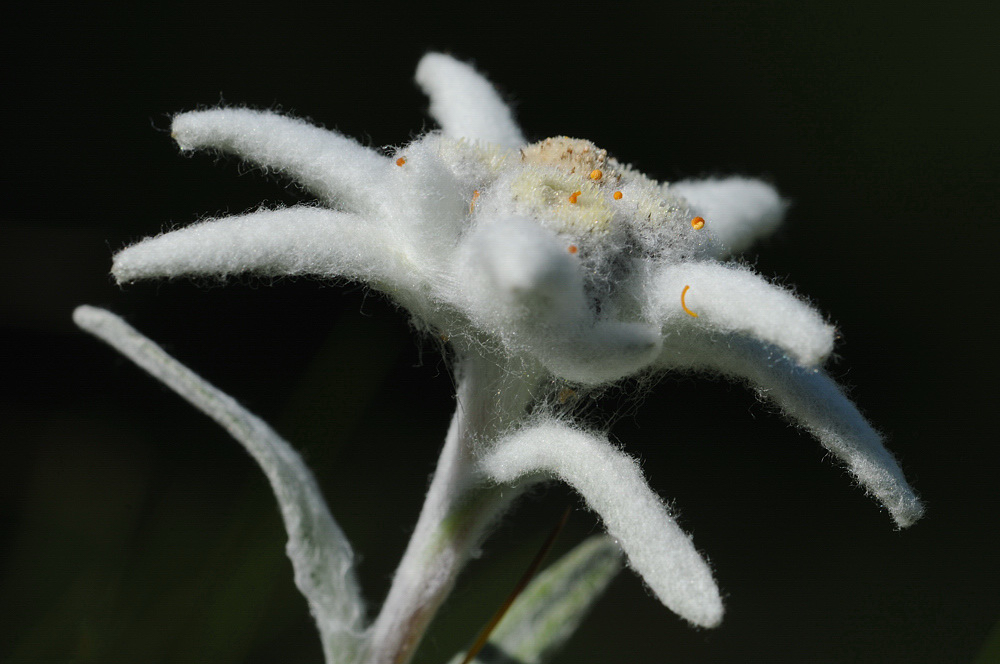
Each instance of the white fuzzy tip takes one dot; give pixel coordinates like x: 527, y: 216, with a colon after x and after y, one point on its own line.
x: 739, y: 210
x: 614, y: 487
x: 465, y: 104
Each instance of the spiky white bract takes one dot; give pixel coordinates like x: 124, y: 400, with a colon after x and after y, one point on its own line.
x: 613, y: 486
x: 465, y: 104
x: 333, y: 167
x: 299, y: 240
x: 548, y: 267
x: 321, y: 556
x: 731, y: 298
x: 811, y: 399
x: 519, y: 279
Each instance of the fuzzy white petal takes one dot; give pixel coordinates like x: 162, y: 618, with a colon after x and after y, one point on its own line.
x: 515, y: 269
x: 334, y: 167
x: 739, y: 211
x: 518, y: 278
x: 465, y: 104
x: 424, y: 200
x: 730, y: 298
x: 603, y: 353
x: 813, y: 400
x: 320, y: 553
x: 292, y: 241
x: 614, y: 487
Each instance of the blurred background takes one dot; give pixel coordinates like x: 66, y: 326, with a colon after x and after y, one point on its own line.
x: 133, y: 529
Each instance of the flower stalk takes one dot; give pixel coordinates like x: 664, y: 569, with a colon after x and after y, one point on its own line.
x: 460, y: 506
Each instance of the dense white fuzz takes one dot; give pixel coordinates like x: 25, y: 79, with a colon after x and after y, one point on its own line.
x: 740, y: 210
x: 334, y: 167
x: 292, y: 241
x: 602, y: 353
x: 426, y: 201
x: 518, y: 278
x: 512, y: 270
x: 730, y: 298
x: 811, y: 399
x: 614, y: 487
x: 320, y: 553
x: 465, y: 104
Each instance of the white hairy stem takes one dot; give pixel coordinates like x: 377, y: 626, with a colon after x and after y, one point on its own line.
x: 459, y: 508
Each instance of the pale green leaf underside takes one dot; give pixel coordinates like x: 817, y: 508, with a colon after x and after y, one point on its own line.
x: 551, y: 608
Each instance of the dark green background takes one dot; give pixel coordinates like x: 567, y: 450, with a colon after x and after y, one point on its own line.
x: 134, y: 530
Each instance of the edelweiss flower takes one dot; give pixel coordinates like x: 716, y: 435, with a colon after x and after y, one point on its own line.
x: 549, y: 268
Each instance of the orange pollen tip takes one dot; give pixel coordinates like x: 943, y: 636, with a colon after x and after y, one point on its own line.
x: 572, y: 197
x: 401, y: 161
x: 684, y: 306
x: 617, y: 195
x: 596, y: 174
x: 572, y: 249
x: 697, y: 223
x: 472, y: 204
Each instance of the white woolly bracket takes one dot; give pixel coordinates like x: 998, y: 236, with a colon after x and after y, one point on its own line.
x: 811, y: 399
x: 465, y: 104
x: 335, y: 168
x: 600, y: 353
x: 513, y: 269
x: 738, y: 210
x: 715, y: 297
x: 613, y: 486
x: 292, y: 241
x: 518, y: 278
x: 321, y: 556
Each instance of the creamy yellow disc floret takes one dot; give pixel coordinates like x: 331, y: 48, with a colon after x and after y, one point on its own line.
x: 557, y: 184
x: 571, y: 203
x: 576, y: 156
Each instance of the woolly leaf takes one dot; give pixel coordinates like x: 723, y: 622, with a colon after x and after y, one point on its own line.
x: 320, y: 553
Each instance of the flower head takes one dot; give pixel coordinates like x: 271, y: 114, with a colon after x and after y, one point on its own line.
x: 553, y: 251
x: 553, y: 261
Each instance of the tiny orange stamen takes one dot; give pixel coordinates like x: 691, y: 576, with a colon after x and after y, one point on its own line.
x: 697, y: 223
x: 572, y: 197
x: 401, y: 161
x: 472, y: 204
x: 572, y: 249
x: 684, y: 306
x: 596, y: 174
x: 617, y: 195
